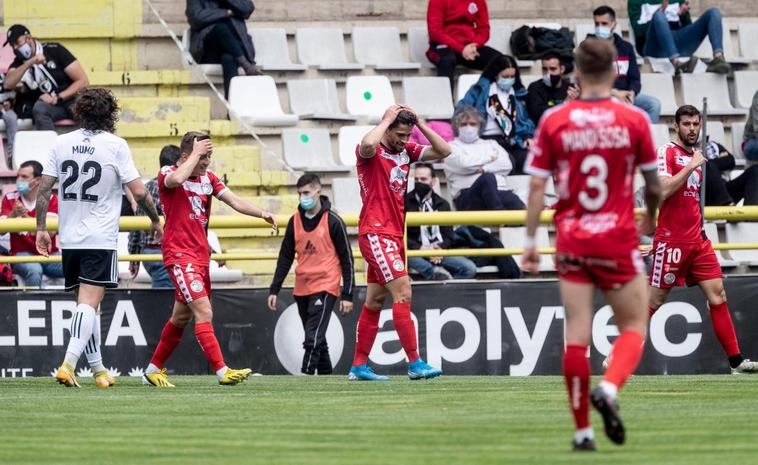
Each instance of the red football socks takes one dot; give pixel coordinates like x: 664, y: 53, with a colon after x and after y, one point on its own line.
x: 365, y: 334
x: 406, y: 330
x: 170, y: 338
x: 576, y: 370
x: 625, y: 356
x: 207, y: 339
x: 724, y: 329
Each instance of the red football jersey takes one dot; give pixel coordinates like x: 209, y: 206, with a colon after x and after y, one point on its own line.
x: 680, y: 219
x: 187, y: 209
x: 26, y: 242
x: 383, y: 179
x: 592, y: 148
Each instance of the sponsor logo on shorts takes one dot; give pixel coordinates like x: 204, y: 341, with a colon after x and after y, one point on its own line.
x: 196, y: 286
x: 669, y: 278
x: 398, y: 265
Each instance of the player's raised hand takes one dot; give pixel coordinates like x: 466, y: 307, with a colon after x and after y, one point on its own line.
x: 391, y: 113
x: 270, y: 218
x: 697, y: 159
x: 271, y: 302
x: 201, y: 147
x: 43, y: 243
x: 346, y: 307
x: 530, y: 261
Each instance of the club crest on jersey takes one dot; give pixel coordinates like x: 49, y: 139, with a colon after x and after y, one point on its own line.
x: 594, y: 116
x: 207, y: 188
x: 472, y: 8
x: 196, y: 286
x: 398, y: 176
x: 398, y: 265
x: 669, y: 278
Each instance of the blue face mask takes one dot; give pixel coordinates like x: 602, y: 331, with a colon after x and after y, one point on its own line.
x: 506, y: 84
x: 307, y: 203
x: 23, y: 187
x: 603, y: 32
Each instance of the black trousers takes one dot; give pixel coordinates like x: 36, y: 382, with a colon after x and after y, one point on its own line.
x: 719, y: 192
x: 223, y: 46
x: 446, y: 59
x: 483, y: 195
x: 315, y: 311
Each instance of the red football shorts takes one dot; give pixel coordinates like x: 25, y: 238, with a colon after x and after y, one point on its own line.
x: 384, y: 256
x: 679, y: 264
x: 610, y: 272
x: 191, y: 281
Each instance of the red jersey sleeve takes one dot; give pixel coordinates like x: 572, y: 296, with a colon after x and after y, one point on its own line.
x: 482, y: 24
x: 165, y: 171
x: 53, y: 207
x: 541, y: 159
x: 647, y: 159
x: 218, y: 185
x: 415, y: 151
x: 7, y: 206
x: 664, y: 161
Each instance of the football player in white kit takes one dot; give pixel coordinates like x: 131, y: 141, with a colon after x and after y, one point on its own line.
x: 90, y: 165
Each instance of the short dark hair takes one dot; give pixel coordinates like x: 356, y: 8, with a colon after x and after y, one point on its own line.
x: 595, y: 57
x: 36, y: 167
x: 169, y: 155
x: 188, y: 141
x: 307, y: 179
x: 686, y: 110
x: 552, y: 55
x: 605, y: 10
x: 404, y: 117
x: 425, y: 165
x: 96, y: 109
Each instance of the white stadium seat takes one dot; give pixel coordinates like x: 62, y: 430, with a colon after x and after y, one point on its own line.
x: 527, y: 79
x: 429, y: 96
x: 582, y: 31
x: 465, y: 81
x: 705, y: 50
x: 500, y: 40
x: 347, y: 195
x: 32, y: 145
x: 743, y: 232
x: 379, y: 47
x: 368, y: 96
x: 714, y: 87
x: 308, y: 149
x: 716, y: 132
x: 738, y: 130
x: 349, y: 137
x: 255, y: 100
x: 207, y: 68
x: 418, y: 44
x: 660, y: 133
x: 748, y: 35
x: 271, y: 50
x: 711, y: 230
x: 315, y: 99
x: 324, y: 48
x: 513, y: 238
x: 746, y: 86
x: 660, y: 86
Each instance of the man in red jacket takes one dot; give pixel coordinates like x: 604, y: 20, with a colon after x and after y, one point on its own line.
x: 458, y: 30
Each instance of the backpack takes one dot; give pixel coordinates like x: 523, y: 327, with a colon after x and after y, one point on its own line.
x: 530, y: 43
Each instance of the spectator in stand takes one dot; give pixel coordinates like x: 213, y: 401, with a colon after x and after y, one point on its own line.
x: 750, y: 137
x: 219, y: 35
x: 719, y: 191
x: 499, y: 96
x: 458, y: 31
x: 10, y: 118
x: 424, y: 199
x: 552, y: 89
x: 627, y: 85
x: 145, y: 242
x: 21, y: 203
x: 477, y: 169
x: 664, y: 29
x: 50, y: 74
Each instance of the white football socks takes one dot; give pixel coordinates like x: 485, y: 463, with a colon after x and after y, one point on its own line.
x: 584, y: 433
x: 609, y: 388
x: 82, y: 326
x: 92, y: 349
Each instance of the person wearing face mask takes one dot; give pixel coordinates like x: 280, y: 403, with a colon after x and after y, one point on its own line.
x: 552, y: 89
x: 477, y: 169
x: 628, y: 84
x: 423, y: 199
x: 50, y: 76
x: 317, y: 236
x: 500, y: 98
x: 21, y: 204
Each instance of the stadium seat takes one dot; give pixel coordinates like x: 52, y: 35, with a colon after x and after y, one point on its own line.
x: 271, y: 50
x: 705, y: 51
x: 748, y: 35
x: 513, y: 238
x: 714, y: 87
x: 418, y: 44
x: 32, y: 145
x: 429, y: 96
x: 315, y: 99
x: 746, y: 86
x: 24, y: 124
x: 308, y: 149
x: 712, y: 231
x: 255, y: 100
x: 323, y: 48
x: 465, y: 81
x: 738, y: 130
x: 379, y: 47
x: 346, y: 195
x: 582, y: 31
x: 368, y: 96
x: 716, y: 132
x: 207, y: 68
x: 660, y: 86
x: 500, y: 40
x: 349, y: 137
x: 743, y: 232
x: 527, y: 79
x: 660, y: 133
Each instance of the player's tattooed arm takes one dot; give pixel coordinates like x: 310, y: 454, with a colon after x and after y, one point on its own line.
x: 43, y: 200
x: 148, y: 206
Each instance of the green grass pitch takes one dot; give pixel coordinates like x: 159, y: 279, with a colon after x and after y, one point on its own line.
x: 328, y: 420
